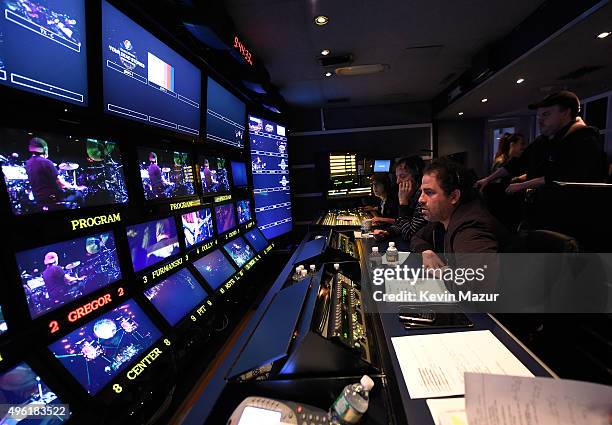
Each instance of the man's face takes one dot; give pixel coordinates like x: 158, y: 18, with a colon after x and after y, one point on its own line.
x: 552, y: 118
x: 402, y: 175
x: 436, y: 205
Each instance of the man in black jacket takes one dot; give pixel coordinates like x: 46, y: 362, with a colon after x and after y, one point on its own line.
x: 566, y: 150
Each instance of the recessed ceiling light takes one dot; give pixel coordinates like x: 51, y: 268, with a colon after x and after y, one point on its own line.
x: 484, y: 100
x: 328, y: 74
x: 520, y: 80
x: 321, y: 20
x: 325, y: 52
x: 460, y: 113
x: 604, y: 34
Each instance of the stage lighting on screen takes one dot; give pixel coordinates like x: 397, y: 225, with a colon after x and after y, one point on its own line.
x: 214, y: 268
x: 152, y: 242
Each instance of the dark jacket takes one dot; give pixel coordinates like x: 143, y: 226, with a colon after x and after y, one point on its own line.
x: 574, y: 154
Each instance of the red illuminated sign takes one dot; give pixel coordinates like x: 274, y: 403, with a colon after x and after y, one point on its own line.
x: 246, y: 54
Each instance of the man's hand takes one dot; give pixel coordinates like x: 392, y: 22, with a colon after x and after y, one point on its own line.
x: 406, y: 190
x: 380, y: 234
x: 482, y: 183
x: 376, y: 221
x: 431, y: 260
x: 515, y: 188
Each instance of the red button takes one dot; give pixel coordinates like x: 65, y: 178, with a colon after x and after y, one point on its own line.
x: 299, y: 409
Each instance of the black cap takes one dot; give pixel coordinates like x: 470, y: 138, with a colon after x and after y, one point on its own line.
x: 564, y: 98
x: 37, y: 145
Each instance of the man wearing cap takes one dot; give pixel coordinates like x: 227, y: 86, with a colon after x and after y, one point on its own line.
x: 158, y: 184
x: 566, y: 150
x: 56, y: 280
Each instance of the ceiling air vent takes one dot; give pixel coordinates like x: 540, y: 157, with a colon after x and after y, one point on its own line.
x: 336, y: 60
x: 580, y: 72
x: 361, y: 69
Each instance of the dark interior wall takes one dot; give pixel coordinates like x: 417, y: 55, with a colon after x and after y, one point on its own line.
x: 456, y: 136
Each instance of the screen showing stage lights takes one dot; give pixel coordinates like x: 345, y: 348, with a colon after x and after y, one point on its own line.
x: 56, y: 274
x: 225, y: 115
x: 43, y: 48
x: 271, y: 184
x: 214, y: 268
x: 165, y: 174
x: 239, y: 174
x: 382, y: 165
x: 226, y: 219
x: 22, y: 387
x: 51, y: 172
x: 244, y: 211
x: 176, y: 295
x: 98, y: 351
x: 145, y: 80
x: 151, y: 242
x: 239, y: 250
x: 215, y: 178
x: 197, y: 227
x: 256, y: 239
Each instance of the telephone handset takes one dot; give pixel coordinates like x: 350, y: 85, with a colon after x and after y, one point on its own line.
x: 267, y: 411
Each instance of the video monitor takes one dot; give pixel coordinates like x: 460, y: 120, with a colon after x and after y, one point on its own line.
x: 56, y: 274
x: 3, y: 326
x: 151, y: 242
x: 239, y: 250
x: 271, y: 182
x: 165, y: 174
x: 145, y: 80
x: 225, y: 116
x: 256, y: 239
x: 197, y: 227
x: 243, y: 208
x: 215, y: 268
x: 51, y: 172
x: 43, y: 48
x: 215, y: 178
x: 239, y: 174
x: 98, y: 351
x: 382, y: 165
x: 176, y: 295
x: 226, y: 218
x: 20, y: 386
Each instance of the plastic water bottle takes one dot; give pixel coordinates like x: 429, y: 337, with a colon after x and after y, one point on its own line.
x: 375, y: 258
x: 352, y: 403
x: 392, y: 255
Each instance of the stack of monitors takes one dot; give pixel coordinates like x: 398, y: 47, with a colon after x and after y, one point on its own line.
x: 165, y: 174
x: 197, y: 227
x: 89, y: 172
x: 256, y: 239
x: 225, y: 217
x: 214, y: 268
x: 214, y: 175
x: 225, y: 115
x: 271, y: 184
x: 152, y: 242
x: 144, y: 79
x: 239, y: 251
x: 54, y: 37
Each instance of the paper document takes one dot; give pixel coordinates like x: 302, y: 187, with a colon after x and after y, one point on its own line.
x: 513, y: 400
x: 448, y: 411
x: 433, y: 365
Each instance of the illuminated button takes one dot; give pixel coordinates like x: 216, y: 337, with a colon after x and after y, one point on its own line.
x: 299, y: 409
x: 310, y: 417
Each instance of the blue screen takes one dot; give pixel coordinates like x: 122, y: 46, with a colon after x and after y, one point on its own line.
x: 256, y: 239
x: 239, y: 175
x: 239, y: 250
x: 3, y: 326
x: 98, y: 351
x: 176, y: 295
x: 42, y: 48
x: 197, y: 227
x: 165, y: 174
x: 226, y: 219
x: 151, y: 242
x: 382, y: 165
x: 215, y: 268
x: 224, y: 116
x: 244, y: 211
x: 56, y: 274
x: 213, y: 172
x: 145, y: 80
x: 271, y: 183
x: 21, y: 386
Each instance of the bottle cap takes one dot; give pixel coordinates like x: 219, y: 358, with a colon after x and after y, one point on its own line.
x: 301, y: 267
x: 374, y: 249
x: 297, y: 269
x: 336, y: 266
x: 366, y: 382
x: 391, y: 244
x: 304, y: 272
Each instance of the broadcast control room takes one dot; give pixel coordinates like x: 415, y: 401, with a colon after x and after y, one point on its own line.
x: 275, y: 212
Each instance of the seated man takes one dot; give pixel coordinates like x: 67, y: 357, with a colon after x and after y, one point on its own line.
x: 408, y: 172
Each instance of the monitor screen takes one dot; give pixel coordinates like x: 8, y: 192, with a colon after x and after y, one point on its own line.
x: 224, y: 116
x: 226, y: 218
x: 98, y: 351
x: 151, y: 242
x: 239, y: 250
x: 197, y: 227
x: 271, y: 183
x: 244, y: 211
x: 256, y: 239
x: 165, y: 174
x: 176, y: 295
x: 43, y: 50
x: 144, y: 79
x: 239, y: 174
x: 213, y: 172
x: 3, y: 326
x: 56, y: 274
x: 22, y: 387
x: 215, y: 268
x: 382, y: 165
x: 51, y: 172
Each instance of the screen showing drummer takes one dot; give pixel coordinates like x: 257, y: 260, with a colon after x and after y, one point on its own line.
x: 49, y: 172
x: 213, y: 171
x: 59, y: 273
x: 165, y: 174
